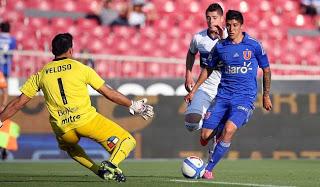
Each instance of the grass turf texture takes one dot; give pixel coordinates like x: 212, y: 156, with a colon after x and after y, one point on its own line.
x: 152, y: 173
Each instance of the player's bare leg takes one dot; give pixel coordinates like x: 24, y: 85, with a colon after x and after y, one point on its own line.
x: 221, y: 148
x: 206, y: 135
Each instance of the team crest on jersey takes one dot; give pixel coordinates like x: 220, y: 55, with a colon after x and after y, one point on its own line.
x: 207, y: 115
x: 112, y: 142
x: 247, y: 54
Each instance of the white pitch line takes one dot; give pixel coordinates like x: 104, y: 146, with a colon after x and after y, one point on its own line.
x: 228, y: 183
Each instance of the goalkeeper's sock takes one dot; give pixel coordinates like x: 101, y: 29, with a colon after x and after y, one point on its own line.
x: 219, y: 151
x: 122, y: 150
x: 78, y: 154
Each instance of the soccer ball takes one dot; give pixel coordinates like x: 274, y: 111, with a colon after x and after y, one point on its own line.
x: 193, y: 167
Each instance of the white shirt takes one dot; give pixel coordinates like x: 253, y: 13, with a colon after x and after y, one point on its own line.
x: 203, y: 43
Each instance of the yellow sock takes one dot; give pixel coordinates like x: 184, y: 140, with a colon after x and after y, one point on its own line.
x: 122, y: 150
x: 78, y: 154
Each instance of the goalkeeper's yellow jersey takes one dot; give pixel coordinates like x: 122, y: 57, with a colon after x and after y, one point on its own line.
x: 64, y: 85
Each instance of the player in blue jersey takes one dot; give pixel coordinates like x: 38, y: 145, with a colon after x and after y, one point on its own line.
x: 7, y: 42
x: 239, y: 56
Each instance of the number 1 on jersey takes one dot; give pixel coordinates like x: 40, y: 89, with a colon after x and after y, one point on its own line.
x: 63, y: 95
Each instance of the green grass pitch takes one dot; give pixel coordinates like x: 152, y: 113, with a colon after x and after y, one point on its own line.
x: 153, y: 173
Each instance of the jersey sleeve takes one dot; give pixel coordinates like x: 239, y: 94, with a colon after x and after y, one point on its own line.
x: 93, y: 79
x: 31, y: 86
x: 193, y: 46
x: 261, y: 56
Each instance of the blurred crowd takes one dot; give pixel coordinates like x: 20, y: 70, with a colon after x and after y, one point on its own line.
x: 311, y: 8
x: 134, y: 13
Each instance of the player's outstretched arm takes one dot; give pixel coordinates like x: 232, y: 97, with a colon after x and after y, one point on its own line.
x: 205, y: 73
x: 266, y: 88
x: 189, y: 82
x: 13, y: 107
x: 114, y: 96
x: 135, y: 107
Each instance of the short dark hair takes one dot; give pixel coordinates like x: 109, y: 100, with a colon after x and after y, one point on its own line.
x: 233, y: 14
x: 5, y: 26
x: 215, y: 7
x: 61, y: 43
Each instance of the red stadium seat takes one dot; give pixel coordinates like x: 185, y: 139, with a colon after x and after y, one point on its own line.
x: 277, y: 33
x: 164, y: 24
x: 304, y: 21
x: 149, y: 32
x: 188, y: 6
x: 46, y: 31
x: 121, y: 46
x: 290, y: 58
x: 123, y: 31
x: 16, y: 5
x: 128, y: 69
x: 313, y: 59
x: 59, y: 22
x: 276, y: 20
x: 86, y: 24
x: 180, y: 70
x: 189, y: 25
x: 65, y: 5
x: 104, y: 69
x: 44, y: 5
x: 36, y: 22
x: 174, y: 48
x: 147, y: 47
x: 265, y: 5
x: 87, y: 5
x: 100, y: 32
x: 136, y: 41
x: 14, y: 17
x: 22, y: 31
x: 167, y: 6
x: 174, y: 32
x: 95, y: 45
x: 159, y: 53
x: 291, y: 5
x: 152, y: 69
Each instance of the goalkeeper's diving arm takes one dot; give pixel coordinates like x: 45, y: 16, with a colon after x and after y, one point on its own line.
x: 140, y: 107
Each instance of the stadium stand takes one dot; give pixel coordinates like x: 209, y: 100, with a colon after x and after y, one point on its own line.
x: 168, y: 37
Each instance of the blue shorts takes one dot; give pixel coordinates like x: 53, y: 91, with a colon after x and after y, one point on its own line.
x: 238, y: 111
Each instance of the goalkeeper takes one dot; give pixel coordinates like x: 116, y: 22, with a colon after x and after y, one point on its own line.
x: 64, y: 85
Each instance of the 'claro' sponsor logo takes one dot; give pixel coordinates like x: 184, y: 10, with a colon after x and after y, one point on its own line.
x: 238, y: 69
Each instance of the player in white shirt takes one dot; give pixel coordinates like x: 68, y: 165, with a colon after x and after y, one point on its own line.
x: 203, y: 42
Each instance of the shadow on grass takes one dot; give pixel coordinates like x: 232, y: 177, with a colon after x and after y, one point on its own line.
x: 71, y: 178
x: 153, y: 176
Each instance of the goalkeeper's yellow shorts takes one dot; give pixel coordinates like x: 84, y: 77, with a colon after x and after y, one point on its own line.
x: 100, y: 129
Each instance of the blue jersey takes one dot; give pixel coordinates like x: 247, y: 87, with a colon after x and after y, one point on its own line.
x: 7, y: 43
x: 239, y: 64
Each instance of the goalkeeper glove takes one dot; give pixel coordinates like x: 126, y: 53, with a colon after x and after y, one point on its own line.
x: 140, y: 107
x: 1, y: 124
